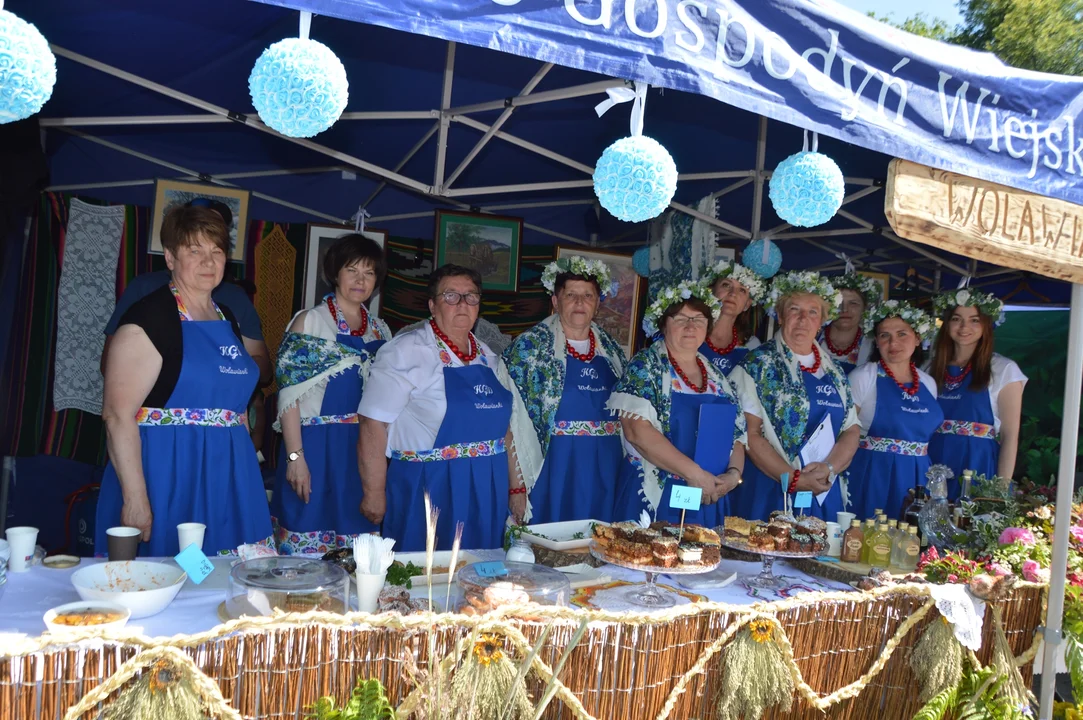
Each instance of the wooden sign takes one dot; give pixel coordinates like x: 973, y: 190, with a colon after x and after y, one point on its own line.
x: 986, y: 221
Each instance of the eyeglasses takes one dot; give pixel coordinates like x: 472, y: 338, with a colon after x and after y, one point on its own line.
x: 453, y: 298
x: 684, y: 321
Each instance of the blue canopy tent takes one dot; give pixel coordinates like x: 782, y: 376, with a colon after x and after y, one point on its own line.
x: 488, y: 104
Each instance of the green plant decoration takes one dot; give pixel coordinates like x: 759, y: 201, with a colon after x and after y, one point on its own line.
x: 937, y: 660
x: 368, y: 701
x: 756, y: 674
x: 977, y: 696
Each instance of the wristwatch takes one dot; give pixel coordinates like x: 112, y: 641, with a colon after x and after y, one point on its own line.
x: 295, y: 456
x: 830, y: 469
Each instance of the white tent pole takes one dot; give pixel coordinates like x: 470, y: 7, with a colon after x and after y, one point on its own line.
x: 219, y: 176
x: 522, y: 187
x: 547, y: 203
x: 731, y: 187
x: 746, y: 175
x: 445, y: 103
x: 101, y: 185
x: 538, y: 77
x: 192, y: 119
x: 554, y: 233
x: 757, y: 191
x: 402, y: 163
x: 739, y: 232
x: 574, y: 91
x: 821, y: 233
x: 906, y: 243
x: 526, y: 145
x: 428, y: 213
x: 1069, y: 433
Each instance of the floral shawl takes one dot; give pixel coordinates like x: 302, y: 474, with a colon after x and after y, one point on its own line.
x: 536, y: 362
x: 770, y: 383
x: 644, y: 392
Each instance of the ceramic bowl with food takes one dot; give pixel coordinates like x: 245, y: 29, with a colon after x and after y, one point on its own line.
x: 94, y: 614
x: 145, y: 588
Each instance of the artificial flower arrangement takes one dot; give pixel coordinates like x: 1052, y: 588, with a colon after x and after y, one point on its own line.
x: 685, y: 290
x: 863, y: 285
x: 578, y: 265
x: 918, y: 320
x: 965, y: 297
x: 756, y: 285
x: 804, y: 281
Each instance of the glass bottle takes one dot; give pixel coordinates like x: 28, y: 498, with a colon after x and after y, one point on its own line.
x: 897, y: 547
x: 520, y: 551
x: 880, y: 547
x: 853, y: 543
x: 911, y: 550
x: 877, y: 513
x: 893, y: 529
x: 911, y: 494
x: 965, y: 484
x: 870, y: 528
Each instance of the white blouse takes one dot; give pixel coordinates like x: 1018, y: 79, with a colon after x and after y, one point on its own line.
x: 864, y: 349
x: 405, y: 388
x: 1005, y: 372
x: 863, y: 387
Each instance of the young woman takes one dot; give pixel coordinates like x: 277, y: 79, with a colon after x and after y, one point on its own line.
x: 730, y: 339
x: 844, y: 339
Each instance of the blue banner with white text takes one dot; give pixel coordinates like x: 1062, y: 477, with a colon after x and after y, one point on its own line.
x: 811, y: 63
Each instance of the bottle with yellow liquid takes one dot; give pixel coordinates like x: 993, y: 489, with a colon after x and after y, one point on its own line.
x: 880, y: 546
x: 870, y: 528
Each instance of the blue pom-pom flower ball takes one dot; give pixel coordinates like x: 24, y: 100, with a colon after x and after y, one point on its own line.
x: 299, y: 87
x: 752, y: 258
x: 807, y: 189
x: 641, y: 261
x: 635, y: 178
x: 27, y: 69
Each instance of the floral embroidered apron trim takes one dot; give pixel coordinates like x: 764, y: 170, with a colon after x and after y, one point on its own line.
x: 350, y: 419
x: 483, y: 448
x: 600, y: 428
x: 206, y: 417
x: 316, y: 542
x: 891, y: 445
x: 967, y: 429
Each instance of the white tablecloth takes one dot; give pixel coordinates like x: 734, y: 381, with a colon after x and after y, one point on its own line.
x: 26, y: 596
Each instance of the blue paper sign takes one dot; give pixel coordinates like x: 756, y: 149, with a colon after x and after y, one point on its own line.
x: 803, y: 499
x: 195, y: 563
x: 684, y: 497
x: 491, y: 569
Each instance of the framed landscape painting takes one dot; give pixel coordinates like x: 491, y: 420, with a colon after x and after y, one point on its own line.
x: 171, y: 193
x: 619, y: 313
x: 320, y: 237
x: 490, y: 244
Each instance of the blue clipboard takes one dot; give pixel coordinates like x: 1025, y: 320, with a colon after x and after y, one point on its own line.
x: 714, y: 437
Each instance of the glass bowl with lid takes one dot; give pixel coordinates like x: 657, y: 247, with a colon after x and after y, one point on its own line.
x: 290, y: 584
x: 520, y: 583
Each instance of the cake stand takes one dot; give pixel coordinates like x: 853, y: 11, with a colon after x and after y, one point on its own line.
x: 766, y: 579
x: 648, y: 595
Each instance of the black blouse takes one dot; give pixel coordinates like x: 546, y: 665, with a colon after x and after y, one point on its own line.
x: 157, y: 315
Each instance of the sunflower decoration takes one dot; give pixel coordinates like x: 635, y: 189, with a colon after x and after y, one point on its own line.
x: 489, y: 648
x: 761, y: 630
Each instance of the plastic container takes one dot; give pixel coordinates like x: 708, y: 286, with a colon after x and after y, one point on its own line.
x: 522, y: 583
x: 290, y: 584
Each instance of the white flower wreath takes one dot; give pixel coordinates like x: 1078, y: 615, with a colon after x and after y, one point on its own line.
x: 986, y: 303
x: 865, y: 286
x: 577, y: 265
x: 804, y: 281
x: 756, y: 285
x: 918, y: 320
x: 675, y: 294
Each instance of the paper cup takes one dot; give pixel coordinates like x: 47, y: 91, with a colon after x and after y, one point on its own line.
x: 834, y: 540
x: 123, y: 542
x: 368, y: 590
x: 191, y: 534
x: 844, y: 519
x: 21, y: 541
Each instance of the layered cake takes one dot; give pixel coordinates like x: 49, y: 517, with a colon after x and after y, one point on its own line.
x: 781, y: 533
x: 661, y: 545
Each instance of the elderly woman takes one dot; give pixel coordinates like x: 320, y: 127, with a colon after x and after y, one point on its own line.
x: 843, y: 339
x: 322, y: 366
x: 730, y: 339
x: 564, y: 369
x: 439, y: 402
x: 682, y: 421
x: 789, y: 388
x: 177, y: 383
x: 981, y: 392
x: 896, y: 404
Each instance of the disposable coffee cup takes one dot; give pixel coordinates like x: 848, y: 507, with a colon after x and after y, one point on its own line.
x: 368, y: 590
x: 834, y: 540
x: 844, y: 519
x: 191, y: 534
x: 21, y: 541
x: 123, y: 543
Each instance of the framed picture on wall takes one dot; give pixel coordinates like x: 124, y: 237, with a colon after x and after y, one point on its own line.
x: 320, y: 237
x: 881, y: 279
x: 490, y: 244
x: 171, y: 193
x: 725, y: 252
x: 619, y: 313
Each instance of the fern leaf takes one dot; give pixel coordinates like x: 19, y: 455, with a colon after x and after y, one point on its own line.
x: 939, y: 705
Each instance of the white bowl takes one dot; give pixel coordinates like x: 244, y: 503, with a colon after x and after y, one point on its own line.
x: 145, y: 588
x: 50, y: 616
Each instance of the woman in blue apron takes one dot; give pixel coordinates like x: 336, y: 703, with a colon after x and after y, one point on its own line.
x: 897, y: 408
x: 682, y: 422
x: 439, y: 402
x: 844, y: 339
x: 322, y: 365
x: 738, y: 289
x: 564, y: 369
x: 789, y: 390
x: 980, y: 392
x: 178, y: 380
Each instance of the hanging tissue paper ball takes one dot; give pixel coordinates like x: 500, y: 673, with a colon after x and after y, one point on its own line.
x: 641, y: 261
x: 752, y: 258
x: 299, y: 87
x: 807, y: 189
x: 27, y: 69
x: 635, y: 178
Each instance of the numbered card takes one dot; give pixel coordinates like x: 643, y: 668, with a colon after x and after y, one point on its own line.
x: 684, y: 497
x: 490, y: 569
x: 803, y: 499
x: 195, y: 563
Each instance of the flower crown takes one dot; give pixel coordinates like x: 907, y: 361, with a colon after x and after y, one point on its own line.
x: 756, y: 285
x: 686, y: 290
x: 577, y: 265
x: 863, y: 285
x: 918, y: 320
x: 986, y: 303
x: 804, y: 281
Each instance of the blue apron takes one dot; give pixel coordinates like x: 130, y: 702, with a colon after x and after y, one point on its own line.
x: 724, y: 364
x: 466, y: 473
x: 332, y: 516
x: 579, y: 476
x: 200, y: 467
x: 967, y: 439
x: 893, y: 455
